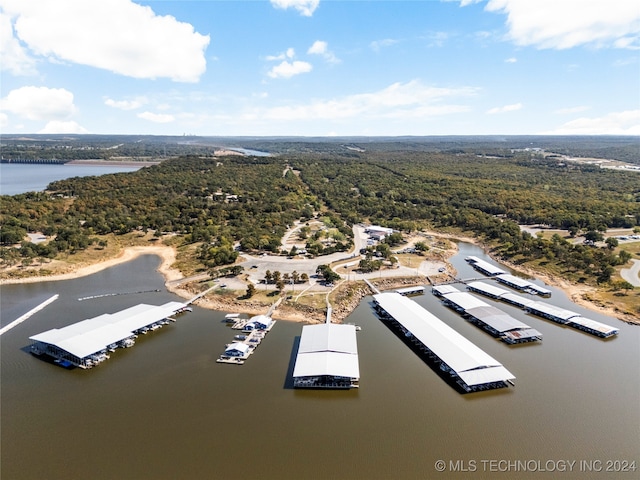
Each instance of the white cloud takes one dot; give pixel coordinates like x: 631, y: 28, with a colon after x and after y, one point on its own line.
x: 506, y: 108
x: 290, y: 53
x: 511, y: 60
x: 615, y: 123
x: 289, y: 69
x: 4, y: 120
x: 39, y: 103
x: 15, y: 59
x: 376, y: 45
x: 320, y: 47
x: 157, y: 117
x: 570, y: 23
x: 61, y: 126
x: 304, y: 7
x: 399, y: 100
x: 126, y: 104
x: 568, y: 110
x: 115, y: 35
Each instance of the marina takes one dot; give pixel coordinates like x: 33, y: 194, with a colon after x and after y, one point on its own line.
x: 464, y: 365
x: 491, y: 319
x: 86, y: 344
x: 169, y: 386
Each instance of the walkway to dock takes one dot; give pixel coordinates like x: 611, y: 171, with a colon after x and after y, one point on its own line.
x: 201, y: 294
x: 24, y: 317
x: 371, y: 286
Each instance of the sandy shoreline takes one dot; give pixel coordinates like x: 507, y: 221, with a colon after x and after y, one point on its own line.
x: 168, y: 256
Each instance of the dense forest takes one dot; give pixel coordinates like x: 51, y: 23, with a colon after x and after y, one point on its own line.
x: 109, y: 147
x: 228, y: 203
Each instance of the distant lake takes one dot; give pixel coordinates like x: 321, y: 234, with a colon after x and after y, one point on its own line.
x: 18, y: 178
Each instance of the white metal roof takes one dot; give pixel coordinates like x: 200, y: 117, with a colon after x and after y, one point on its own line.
x: 487, y: 267
x: 513, y: 280
x: 451, y: 347
x: 327, y: 363
x: 444, y: 289
x: 517, y: 299
x: 93, y: 335
x: 497, y: 319
x: 487, y: 288
x: 539, y: 289
x: 465, y: 300
x: 547, y: 309
x: 328, y: 337
x: 327, y: 349
x: 594, y: 325
x: 263, y: 320
x: 410, y: 289
x: 241, y: 347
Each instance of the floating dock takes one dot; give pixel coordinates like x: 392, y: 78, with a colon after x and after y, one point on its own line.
x: 455, y: 358
x: 484, y: 267
x: 411, y: 290
x: 542, y: 309
x: 491, y: 319
x: 327, y: 357
x: 243, y: 346
x: 571, y: 319
x: 506, y: 278
x: 86, y: 344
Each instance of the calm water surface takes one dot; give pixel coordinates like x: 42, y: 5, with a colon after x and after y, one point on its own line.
x: 165, y: 410
x: 18, y: 178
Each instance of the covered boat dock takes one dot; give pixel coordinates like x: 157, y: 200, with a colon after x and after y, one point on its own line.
x: 571, y: 319
x: 327, y: 357
x: 468, y: 367
x: 491, y: 319
x: 87, y: 343
x: 484, y: 267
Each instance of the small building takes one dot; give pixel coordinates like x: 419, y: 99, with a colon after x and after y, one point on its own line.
x: 259, y: 322
x: 237, y: 349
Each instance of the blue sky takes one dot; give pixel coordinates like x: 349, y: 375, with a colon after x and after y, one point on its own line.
x: 320, y: 67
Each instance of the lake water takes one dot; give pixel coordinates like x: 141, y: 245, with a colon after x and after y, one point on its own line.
x: 18, y: 178
x: 165, y: 409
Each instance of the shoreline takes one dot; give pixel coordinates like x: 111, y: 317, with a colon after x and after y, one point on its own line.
x: 286, y: 312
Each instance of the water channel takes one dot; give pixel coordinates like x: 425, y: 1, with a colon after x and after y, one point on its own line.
x: 165, y: 409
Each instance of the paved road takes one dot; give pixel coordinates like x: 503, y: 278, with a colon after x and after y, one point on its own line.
x: 632, y: 275
x: 257, y: 266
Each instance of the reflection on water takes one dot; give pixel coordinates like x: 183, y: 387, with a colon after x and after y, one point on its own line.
x: 165, y: 409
